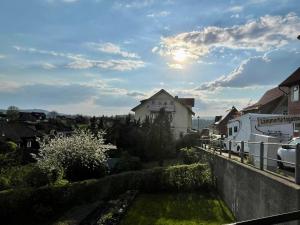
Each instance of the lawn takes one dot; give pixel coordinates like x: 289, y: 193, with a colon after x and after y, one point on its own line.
x: 178, y: 209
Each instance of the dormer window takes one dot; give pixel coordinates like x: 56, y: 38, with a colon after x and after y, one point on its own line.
x: 295, y: 93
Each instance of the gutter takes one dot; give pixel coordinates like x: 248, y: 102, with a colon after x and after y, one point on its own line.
x: 279, y: 87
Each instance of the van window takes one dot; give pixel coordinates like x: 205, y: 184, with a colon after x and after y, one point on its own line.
x: 235, y: 129
x: 230, y: 131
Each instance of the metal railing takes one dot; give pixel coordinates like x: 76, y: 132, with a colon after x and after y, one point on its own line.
x: 207, y: 145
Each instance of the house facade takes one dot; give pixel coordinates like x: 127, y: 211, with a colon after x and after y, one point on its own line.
x: 290, y: 87
x: 292, y: 83
x: 179, y: 109
x: 274, y: 101
x: 220, y: 125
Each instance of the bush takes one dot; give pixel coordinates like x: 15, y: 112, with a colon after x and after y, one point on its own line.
x: 26, y: 176
x: 80, y: 156
x: 189, y: 140
x: 189, y: 155
x: 127, y: 163
x: 50, y: 201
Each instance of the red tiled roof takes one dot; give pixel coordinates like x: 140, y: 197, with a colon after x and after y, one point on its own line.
x: 294, y: 78
x: 187, y: 101
x: 268, y: 97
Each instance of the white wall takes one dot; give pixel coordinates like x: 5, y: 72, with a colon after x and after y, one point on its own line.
x: 182, y: 118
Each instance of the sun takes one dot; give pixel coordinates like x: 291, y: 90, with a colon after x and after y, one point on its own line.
x: 180, y: 55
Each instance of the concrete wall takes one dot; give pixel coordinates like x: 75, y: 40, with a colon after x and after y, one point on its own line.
x: 251, y: 193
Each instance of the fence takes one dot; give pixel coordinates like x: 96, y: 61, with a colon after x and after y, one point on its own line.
x: 210, y: 145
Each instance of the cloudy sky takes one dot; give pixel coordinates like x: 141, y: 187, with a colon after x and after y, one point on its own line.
x: 99, y: 57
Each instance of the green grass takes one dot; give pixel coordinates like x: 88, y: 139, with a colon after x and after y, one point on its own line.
x: 178, y: 209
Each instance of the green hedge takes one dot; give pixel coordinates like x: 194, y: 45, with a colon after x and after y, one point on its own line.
x: 36, y: 205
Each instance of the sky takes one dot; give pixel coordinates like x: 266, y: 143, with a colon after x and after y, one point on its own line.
x: 101, y: 57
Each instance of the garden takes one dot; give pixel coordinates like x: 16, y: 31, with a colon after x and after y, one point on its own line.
x: 72, y: 178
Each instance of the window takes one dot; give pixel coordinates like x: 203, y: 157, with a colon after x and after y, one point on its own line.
x: 28, y: 144
x: 230, y: 131
x: 295, y: 93
x: 235, y: 129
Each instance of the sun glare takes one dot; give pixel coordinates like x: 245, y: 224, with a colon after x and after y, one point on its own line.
x: 179, y: 55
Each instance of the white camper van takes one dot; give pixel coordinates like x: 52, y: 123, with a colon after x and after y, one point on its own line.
x: 256, y: 128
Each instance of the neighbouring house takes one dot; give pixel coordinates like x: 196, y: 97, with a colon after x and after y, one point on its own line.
x: 31, y: 116
x: 290, y: 87
x: 24, y: 135
x: 179, y: 109
x: 274, y: 101
x: 220, y: 125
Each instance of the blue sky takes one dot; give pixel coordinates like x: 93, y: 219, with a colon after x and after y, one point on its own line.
x: 99, y: 57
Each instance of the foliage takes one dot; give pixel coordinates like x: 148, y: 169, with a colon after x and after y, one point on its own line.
x: 178, y: 209
x: 189, y: 155
x: 80, y: 156
x: 159, y: 141
x: 50, y: 201
x: 127, y: 163
x: 188, y: 140
x: 10, y: 154
x: 25, y: 176
x: 12, y: 113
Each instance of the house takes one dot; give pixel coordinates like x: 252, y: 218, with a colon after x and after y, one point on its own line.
x: 220, y: 125
x: 274, y: 101
x: 179, y: 109
x: 20, y: 133
x: 290, y: 87
x: 31, y: 116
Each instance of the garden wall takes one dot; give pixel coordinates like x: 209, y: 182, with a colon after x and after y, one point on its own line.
x: 252, y: 193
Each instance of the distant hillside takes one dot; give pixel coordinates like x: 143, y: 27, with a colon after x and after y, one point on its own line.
x: 29, y: 110
x: 203, y: 123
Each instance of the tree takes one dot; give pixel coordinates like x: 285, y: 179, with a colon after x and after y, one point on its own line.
x: 12, y: 113
x: 160, y: 140
x: 80, y: 156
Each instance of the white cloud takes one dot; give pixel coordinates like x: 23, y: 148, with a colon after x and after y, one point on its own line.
x: 119, y: 65
x: 236, y: 9
x: 133, y: 4
x: 176, y: 66
x: 269, y: 69
x: 111, y: 49
x: 79, y: 61
x: 159, y: 14
x: 2, y: 56
x: 263, y: 34
x: 48, y: 66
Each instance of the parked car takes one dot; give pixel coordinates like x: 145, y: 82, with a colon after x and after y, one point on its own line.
x: 286, y: 153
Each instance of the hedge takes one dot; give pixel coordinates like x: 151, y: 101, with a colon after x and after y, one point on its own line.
x: 36, y: 205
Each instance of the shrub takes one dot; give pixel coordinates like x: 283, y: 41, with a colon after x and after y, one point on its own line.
x: 188, y: 141
x: 127, y: 163
x: 189, y: 155
x: 26, y: 176
x: 49, y: 201
x: 80, y: 156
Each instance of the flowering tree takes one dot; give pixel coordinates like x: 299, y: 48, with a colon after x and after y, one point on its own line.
x: 79, y: 156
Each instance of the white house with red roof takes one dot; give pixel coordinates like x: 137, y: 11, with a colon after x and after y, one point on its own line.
x: 180, y: 110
